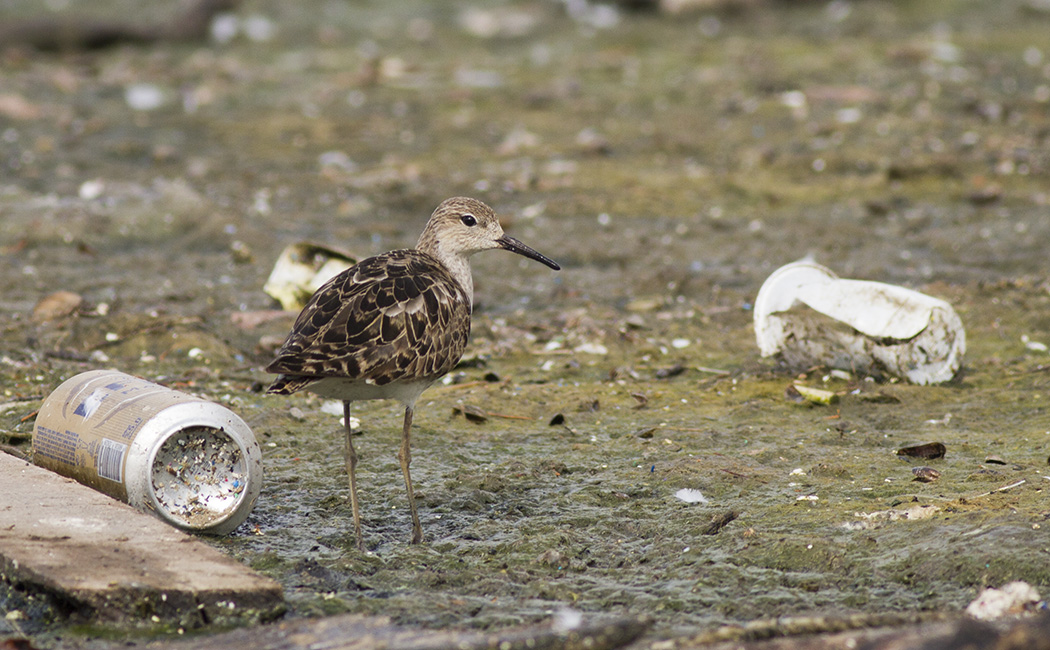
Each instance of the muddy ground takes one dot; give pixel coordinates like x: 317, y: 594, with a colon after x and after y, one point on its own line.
x: 669, y: 162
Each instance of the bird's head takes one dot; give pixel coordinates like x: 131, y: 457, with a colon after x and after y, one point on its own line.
x: 463, y: 226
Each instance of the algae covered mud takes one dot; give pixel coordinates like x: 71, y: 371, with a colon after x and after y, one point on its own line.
x: 671, y: 163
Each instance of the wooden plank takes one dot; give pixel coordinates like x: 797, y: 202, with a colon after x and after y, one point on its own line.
x: 110, y: 562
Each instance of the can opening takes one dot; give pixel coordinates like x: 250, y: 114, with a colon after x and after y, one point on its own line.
x: 199, y: 475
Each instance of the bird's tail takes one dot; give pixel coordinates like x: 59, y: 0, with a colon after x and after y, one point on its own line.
x: 288, y: 384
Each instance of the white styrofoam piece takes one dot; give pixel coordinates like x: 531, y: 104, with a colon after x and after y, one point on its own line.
x: 897, y: 330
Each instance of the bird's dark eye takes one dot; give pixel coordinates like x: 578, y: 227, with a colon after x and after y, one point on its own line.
x: 469, y: 220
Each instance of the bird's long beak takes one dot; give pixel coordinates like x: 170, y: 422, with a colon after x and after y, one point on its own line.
x: 508, y: 243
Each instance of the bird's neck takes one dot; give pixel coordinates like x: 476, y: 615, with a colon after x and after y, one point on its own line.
x: 459, y: 267
x: 457, y: 263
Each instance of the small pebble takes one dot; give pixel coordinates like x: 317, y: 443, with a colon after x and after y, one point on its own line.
x: 925, y: 474
x: 591, y: 348
x: 224, y: 28
x: 144, y: 96
x: 91, y: 190
x: 258, y: 28
x: 242, y: 253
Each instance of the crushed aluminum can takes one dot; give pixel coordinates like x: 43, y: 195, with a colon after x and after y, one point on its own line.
x: 807, y: 316
x: 194, y: 464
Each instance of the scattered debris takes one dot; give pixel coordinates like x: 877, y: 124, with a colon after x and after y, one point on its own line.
x: 1003, y: 488
x: 332, y: 407
x: 301, y: 269
x: 714, y: 371
x: 500, y: 22
x: 256, y: 27
x: 877, y: 519
x: 477, y: 415
x: 194, y: 464
x: 145, y: 96
x: 589, y: 406
x: 719, y: 521
x: 928, y: 451
x: 807, y: 316
x: 241, y: 252
x: 198, y: 475
x: 592, y: 142
x: 551, y: 557
x: 471, y: 413
x: 592, y: 15
x: 645, y: 433
x: 880, y: 397
x: 591, y: 347
x: 673, y: 371
x: 925, y: 474
x: 57, y: 305
x: 1013, y: 598
x: 566, y: 619
x: 805, y: 395
x: 689, y: 495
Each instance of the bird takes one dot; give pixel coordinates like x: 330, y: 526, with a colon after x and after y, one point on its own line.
x: 391, y: 325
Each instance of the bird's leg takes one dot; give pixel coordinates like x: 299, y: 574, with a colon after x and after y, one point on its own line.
x: 405, y: 456
x: 351, y: 464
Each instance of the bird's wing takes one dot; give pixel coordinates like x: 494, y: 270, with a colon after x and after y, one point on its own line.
x: 398, y: 315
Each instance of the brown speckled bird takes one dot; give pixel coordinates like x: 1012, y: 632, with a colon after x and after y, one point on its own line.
x: 390, y: 326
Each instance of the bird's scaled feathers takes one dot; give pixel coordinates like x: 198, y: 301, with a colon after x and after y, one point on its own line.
x: 394, y: 317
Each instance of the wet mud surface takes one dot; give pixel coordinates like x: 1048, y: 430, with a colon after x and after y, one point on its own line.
x: 669, y: 163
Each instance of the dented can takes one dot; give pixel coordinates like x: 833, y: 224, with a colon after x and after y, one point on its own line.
x: 193, y: 463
